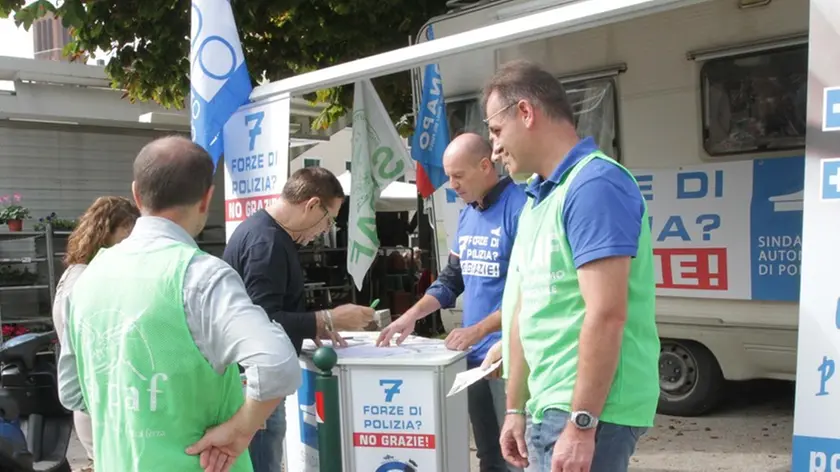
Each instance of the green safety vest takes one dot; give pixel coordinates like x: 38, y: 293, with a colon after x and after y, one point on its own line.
x: 553, y: 309
x: 148, y: 389
x: 509, y: 298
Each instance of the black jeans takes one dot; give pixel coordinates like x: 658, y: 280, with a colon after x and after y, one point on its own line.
x: 486, y: 400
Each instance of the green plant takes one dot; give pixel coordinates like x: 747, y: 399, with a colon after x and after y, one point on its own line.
x: 12, y: 209
x: 12, y: 276
x: 58, y: 224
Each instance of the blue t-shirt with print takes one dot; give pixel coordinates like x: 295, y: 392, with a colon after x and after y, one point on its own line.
x: 483, y: 244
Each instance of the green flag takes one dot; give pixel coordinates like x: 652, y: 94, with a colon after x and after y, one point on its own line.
x: 379, y: 158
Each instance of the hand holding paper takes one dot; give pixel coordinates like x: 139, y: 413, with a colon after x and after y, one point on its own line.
x: 469, y: 377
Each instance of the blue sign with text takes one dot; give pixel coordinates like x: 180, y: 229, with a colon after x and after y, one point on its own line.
x: 776, y: 228
x: 728, y: 230
x: 811, y: 454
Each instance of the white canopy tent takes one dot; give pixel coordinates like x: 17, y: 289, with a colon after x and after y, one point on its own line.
x: 398, y: 196
x: 565, y: 17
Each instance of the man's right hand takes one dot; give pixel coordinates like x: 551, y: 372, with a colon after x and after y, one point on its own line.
x: 493, y: 356
x: 337, y: 340
x: 351, y: 317
x: 404, y: 325
x: 512, y: 440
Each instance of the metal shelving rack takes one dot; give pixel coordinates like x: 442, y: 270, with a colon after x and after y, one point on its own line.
x: 36, y: 250
x: 44, y: 255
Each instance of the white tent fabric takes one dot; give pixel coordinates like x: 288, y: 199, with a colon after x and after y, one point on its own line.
x: 399, y: 196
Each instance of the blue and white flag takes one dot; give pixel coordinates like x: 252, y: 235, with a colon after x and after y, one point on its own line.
x: 431, y: 134
x: 219, y: 79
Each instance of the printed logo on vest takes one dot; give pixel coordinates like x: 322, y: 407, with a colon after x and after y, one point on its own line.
x: 134, y: 381
x: 539, y: 281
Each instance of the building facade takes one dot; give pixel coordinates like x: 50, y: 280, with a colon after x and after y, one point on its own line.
x: 336, y: 155
x: 49, y: 37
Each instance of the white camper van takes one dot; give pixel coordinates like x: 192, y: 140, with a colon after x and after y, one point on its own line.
x: 706, y: 105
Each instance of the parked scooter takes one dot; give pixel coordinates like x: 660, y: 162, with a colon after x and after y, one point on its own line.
x: 35, y: 428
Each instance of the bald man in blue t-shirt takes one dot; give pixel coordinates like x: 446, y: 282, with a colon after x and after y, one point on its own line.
x: 478, y: 265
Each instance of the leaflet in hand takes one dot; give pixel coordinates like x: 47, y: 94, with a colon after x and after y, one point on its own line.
x: 469, y: 377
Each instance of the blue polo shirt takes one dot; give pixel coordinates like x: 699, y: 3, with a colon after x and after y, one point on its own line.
x: 479, y: 261
x: 603, y: 211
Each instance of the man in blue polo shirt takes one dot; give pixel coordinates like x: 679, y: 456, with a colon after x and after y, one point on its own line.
x: 478, y: 264
x: 583, y: 344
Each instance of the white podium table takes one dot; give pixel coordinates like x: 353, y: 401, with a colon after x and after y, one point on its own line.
x: 395, y: 416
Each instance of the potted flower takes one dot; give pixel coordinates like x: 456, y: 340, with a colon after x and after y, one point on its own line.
x: 13, y: 212
x: 11, y: 330
x: 58, y: 224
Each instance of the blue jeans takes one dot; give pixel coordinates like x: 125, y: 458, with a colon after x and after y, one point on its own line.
x: 614, y: 444
x: 266, y: 449
x: 486, y: 405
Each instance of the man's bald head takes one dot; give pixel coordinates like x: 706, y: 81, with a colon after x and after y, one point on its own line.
x: 172, y: 172
x: 467, y: 148
x: 466, y: 162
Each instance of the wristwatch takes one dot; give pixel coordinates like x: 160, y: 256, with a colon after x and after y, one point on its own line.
x: 583, y: 420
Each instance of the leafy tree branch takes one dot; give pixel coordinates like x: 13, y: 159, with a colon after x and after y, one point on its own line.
x: 148, y: 42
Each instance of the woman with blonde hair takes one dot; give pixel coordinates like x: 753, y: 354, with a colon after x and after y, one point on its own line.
x: 107, y: 222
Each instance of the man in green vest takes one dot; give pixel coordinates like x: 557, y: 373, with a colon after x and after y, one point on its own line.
x: 583, y: 381
x: 155, y: 331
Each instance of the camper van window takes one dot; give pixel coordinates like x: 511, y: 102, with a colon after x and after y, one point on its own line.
x: 755, y: 102
x: 466, y: 116
x: 593, y: 102
x: 594, y: 105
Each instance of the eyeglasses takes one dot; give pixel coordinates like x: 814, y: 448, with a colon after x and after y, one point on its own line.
x: 487, y: 120
x: 328, y: 215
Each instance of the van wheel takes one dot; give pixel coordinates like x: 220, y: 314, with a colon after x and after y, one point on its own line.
x: 690, y: 380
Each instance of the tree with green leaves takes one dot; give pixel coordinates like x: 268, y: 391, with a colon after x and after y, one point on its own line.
x: 148, y: 42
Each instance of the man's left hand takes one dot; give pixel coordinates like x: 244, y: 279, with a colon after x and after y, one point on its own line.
x: 220, y: 446
x: 573, y: 450
x: 460, y: 339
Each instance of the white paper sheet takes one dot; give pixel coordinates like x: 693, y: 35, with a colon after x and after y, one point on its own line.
x: 469, y: 377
